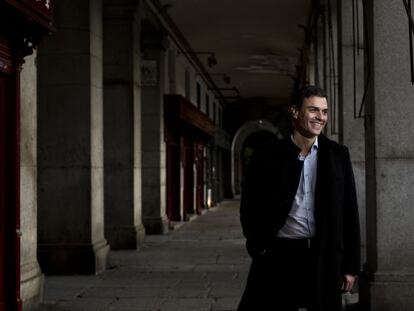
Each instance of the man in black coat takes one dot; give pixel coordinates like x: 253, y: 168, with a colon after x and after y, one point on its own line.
x: 299, y: 215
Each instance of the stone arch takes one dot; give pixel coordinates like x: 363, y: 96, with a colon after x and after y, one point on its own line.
x: 240, y: 137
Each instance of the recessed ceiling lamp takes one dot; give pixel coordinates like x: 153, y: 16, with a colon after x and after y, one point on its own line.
x: 270, y: 64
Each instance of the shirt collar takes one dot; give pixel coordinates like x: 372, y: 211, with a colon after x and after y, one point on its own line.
x: 315, y: 144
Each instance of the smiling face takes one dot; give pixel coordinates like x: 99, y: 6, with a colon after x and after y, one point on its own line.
x: 311, y: 117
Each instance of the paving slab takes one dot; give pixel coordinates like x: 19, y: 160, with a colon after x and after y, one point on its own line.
x: 200, y: 266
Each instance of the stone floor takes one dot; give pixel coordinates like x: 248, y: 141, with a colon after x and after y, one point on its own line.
x: 200, y: 266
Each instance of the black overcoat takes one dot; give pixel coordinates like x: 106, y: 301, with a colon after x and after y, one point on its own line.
x: 268, y: 190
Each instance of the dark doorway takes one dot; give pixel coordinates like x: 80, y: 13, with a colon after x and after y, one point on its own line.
x: 173, y: 181
x: 188, y: 178
x: 199, y: 177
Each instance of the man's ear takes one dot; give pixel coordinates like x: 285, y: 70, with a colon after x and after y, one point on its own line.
x: 294, y: 111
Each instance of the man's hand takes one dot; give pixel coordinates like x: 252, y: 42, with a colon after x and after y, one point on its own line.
x: 348, y: 282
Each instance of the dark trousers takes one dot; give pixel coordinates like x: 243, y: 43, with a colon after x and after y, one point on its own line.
x: 284, y: 278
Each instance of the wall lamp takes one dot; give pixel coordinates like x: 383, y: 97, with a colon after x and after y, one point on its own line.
x: 234, y: 89
x: 211, y: 60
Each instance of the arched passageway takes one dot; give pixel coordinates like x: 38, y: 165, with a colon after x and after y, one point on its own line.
x: 249, y: 135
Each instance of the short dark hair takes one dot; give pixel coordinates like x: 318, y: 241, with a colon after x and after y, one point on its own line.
x: 306, y: 92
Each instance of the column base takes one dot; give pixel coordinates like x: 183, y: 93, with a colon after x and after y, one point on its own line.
x: 31, y: 286
x: 140, y: 235
x: 74, y: 259
x: 387, y: 292
x: 156, y: 225
x: 125, y: 237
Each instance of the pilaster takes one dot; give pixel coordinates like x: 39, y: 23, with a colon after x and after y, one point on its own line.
x: 153, y: 144
x: 32, y: 278
x: 388, y: 282
x: 70, y: 143
x: 122, y: 124
x: 351, y: 57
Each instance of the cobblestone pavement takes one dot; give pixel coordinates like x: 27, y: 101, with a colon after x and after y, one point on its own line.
x: 201, y: 266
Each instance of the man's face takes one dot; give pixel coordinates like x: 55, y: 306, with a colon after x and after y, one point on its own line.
x: 312, y: 116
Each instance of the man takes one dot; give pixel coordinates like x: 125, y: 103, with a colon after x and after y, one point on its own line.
x: 299, y: 215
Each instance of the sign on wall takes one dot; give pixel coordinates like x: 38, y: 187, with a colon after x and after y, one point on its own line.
x: 149, y: 73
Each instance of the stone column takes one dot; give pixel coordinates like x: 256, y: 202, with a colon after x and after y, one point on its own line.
x: 70, y: 142
x: 122, y: 125
x: 351, y: 89
x: 31, y: 275
x: 321, y: 57
x: 320, y: 51
x: 153, y: 144
x: 389, y: 271
x: 331, y: 67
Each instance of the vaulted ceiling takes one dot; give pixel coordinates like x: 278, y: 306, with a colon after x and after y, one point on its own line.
x: 256, y: 43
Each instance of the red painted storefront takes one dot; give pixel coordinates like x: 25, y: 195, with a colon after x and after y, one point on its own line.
x: 187, y: 131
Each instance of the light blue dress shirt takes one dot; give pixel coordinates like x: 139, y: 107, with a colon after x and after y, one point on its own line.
x: 300, y: 222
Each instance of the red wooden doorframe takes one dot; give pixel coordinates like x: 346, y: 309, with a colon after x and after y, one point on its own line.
x: 2, y: 194
x: 188, y: 178
x: 9, y: 177
x: 22, y: 25
x: 199, y: 159
x: 173, y: 181
x: 10, y: 190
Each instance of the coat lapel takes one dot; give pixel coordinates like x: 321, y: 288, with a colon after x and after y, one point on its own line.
x: 292, y: 170
x: 322, y: 180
